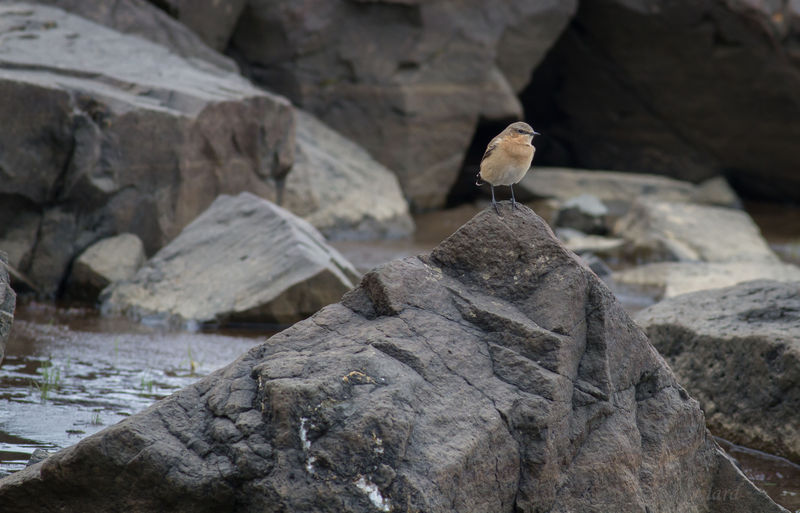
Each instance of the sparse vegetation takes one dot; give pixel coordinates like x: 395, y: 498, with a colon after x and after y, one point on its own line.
x: 50, y: 380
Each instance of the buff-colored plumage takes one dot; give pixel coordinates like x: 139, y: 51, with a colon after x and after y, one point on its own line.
x: 508, y: 157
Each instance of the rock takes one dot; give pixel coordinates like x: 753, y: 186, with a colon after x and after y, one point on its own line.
x: 580, y: 243
x: 8, y: 303
x: 669, y: 279
x: 140, y: 18
x: 495, y: 373
x: 81, y: 102
x: 716, y: 191
x: 37, y: 456
x: 616, y: 190
x: 244, y: 259
x: 585, y: 213
x: 212, y: 20
x: 687, y: 232
x: 406, y: 80
x: 611, y: 99
x: 737, y: 350
x: 340, y: 189
x: 104, y: 262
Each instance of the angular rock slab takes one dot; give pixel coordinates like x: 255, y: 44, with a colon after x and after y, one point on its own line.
x: 104, y: 262
x: 737, y: 350
x: 106, y: 133
x: 243, y: 259
x: 8, y: 302
x: 687, y: 232
x: 142, y: 18
x: 494, y: 374
x: 340, y: 189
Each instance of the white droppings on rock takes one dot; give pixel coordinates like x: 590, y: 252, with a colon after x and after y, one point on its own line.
x: 374, y: 494
x: 306, y: 445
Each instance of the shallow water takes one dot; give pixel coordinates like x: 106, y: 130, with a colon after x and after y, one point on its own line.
x: 69, y: 373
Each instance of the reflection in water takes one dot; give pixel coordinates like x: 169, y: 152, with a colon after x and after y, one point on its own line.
x: 68, y: 373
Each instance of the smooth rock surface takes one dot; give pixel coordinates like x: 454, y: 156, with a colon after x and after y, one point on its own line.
x: 340, y: 189
x: 615, y: 189
x: 104, y: 262
x: 406, y: 80
x: 686, y: 232
x: 8, y: 302
x: 494, y: 374
x: 106, y: 133
x: 669, y: 279
x: 737, y: 350
x: 585, y: 213
x: 243, y: 259
x: 212, y: 20
x: 612, y: 99
x: 141, y: 18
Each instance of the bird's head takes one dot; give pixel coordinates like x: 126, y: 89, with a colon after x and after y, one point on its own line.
x: 521, y: 130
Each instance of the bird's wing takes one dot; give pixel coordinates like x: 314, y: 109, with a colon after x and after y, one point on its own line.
x: 490, y: 147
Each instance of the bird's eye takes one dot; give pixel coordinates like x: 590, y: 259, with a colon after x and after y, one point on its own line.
x: 521, y: 131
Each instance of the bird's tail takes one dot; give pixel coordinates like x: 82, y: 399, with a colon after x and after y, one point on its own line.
x: 478, y: 179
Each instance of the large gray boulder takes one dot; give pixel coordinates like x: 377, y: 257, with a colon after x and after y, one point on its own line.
x: 407, y: 80
x: 243, y: 259
x: 340, y: 189
x: 104, y: 262
x: 106, y: 133
x: 141, y: 18
x: 212, y: 20
x: 612, y: 99
x: 737, y: 350
x: 8, y: 302
x: 494, y: 374
x: 692, y: 233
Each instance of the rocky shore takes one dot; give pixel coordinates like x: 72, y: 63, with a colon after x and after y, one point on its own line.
x: 195, y: 165
x: 495, y: 373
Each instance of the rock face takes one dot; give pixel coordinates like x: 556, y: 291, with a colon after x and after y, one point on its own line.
x: 106, y: 133
x: 494, y: 374
x: 340, y: 189
x: 610, y: 98
x: 212, y: 20
x: 104, y: 262
x: 687, y: 232
x: 140, y: 18
x: 406, y: 80
x: 8, y: 302
x: 243, y: 259
x: 737, y: 350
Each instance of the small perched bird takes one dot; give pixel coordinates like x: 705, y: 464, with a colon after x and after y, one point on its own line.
x: 507, y: 158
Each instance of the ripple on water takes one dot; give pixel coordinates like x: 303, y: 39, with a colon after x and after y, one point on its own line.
x: 69, y: 373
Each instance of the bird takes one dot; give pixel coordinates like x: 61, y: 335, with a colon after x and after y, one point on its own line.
x: 507, y: 158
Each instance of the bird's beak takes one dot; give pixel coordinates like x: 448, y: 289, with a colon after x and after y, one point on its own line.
x: 536, y: 133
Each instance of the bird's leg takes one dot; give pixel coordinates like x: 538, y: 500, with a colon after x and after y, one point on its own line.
x: 513, y: 201
x: 494, y: 203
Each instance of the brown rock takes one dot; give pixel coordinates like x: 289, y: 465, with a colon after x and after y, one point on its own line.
x: 212, y: 20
